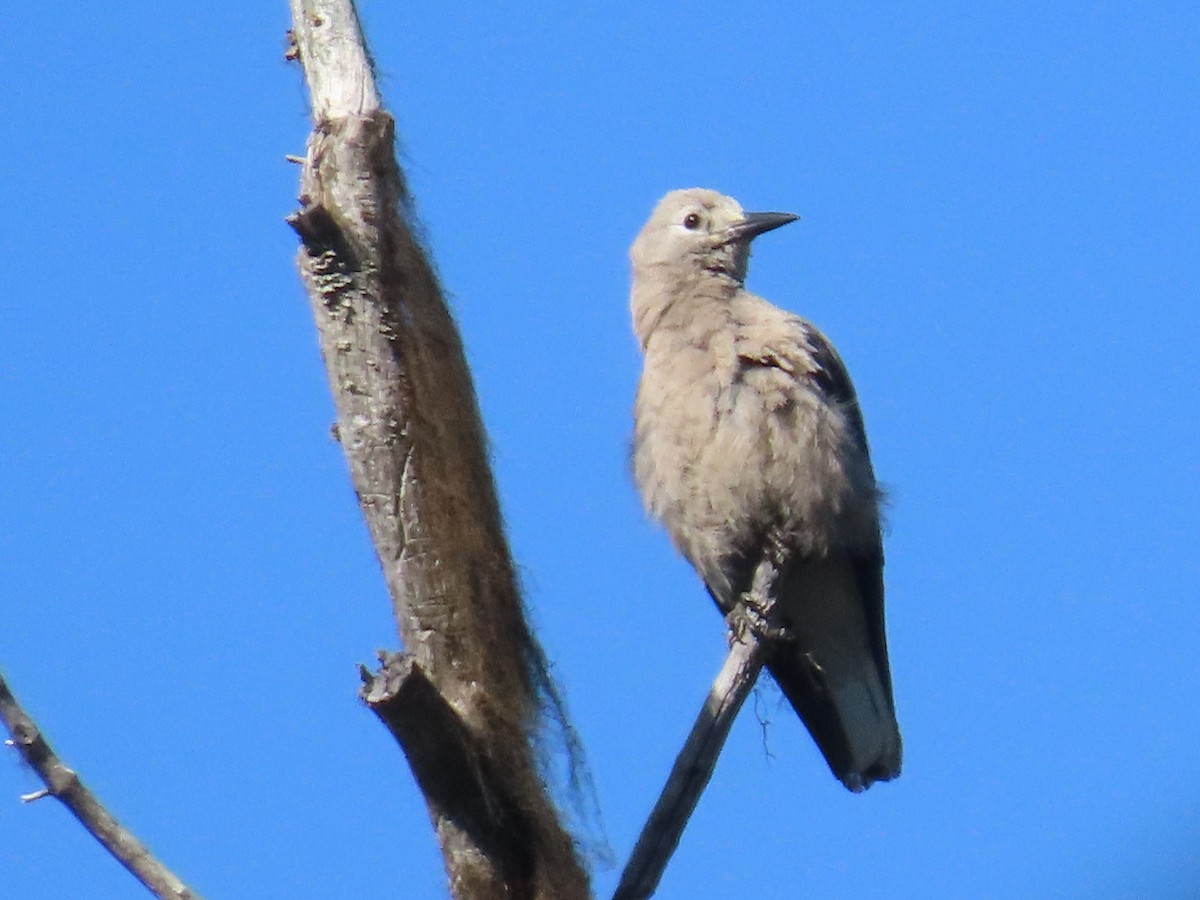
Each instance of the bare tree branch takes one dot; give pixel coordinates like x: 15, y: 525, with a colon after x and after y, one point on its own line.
x: 64, y: 784
x: 753, y: 634
x: 453, y: 772
x: 409, y: 424
x: 692, y: 770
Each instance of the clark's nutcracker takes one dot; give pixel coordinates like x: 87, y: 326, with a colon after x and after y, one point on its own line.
x: 748, y: 441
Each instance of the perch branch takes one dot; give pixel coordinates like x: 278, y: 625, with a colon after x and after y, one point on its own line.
x: 693, y: 768
x: 754, y: 629
x: 64, y: 784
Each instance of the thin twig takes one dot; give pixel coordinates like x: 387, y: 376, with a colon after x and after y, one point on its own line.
x: 64, y: 784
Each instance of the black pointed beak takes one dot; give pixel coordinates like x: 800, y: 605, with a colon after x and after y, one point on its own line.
x: 755, y: 224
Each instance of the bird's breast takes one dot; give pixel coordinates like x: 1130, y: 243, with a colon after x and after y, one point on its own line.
x: 722, y: 449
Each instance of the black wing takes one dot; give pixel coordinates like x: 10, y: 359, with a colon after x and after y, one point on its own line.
x: 834, y: 382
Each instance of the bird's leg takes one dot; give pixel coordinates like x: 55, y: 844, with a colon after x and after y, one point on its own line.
x: 755, y: 609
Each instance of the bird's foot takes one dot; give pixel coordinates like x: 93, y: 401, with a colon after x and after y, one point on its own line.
x: 750, y: 615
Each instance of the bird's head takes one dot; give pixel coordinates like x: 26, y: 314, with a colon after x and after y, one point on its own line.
x: 696, y: 230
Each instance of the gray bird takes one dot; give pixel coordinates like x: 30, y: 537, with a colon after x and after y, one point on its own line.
x: 749, y: 445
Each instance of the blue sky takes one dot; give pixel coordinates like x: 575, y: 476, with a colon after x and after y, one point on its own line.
x: 999, y: 232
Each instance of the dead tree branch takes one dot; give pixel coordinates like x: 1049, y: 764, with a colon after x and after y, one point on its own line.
x: 64, y: 784
x: 692, y: 770
x: 753, y: 632
x: 408, y: 421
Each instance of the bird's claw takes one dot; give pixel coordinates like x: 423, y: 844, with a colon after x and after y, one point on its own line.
x: 751, y: 616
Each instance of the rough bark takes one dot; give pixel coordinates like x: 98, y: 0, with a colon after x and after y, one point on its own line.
x: 408, y: 421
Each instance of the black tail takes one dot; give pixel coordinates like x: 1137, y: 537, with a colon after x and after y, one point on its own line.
x: 833, y: 666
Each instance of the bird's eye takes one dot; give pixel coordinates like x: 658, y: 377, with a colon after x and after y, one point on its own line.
x: 691, y: 221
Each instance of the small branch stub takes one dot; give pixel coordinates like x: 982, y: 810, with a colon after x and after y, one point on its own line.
x: 452, y: 770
